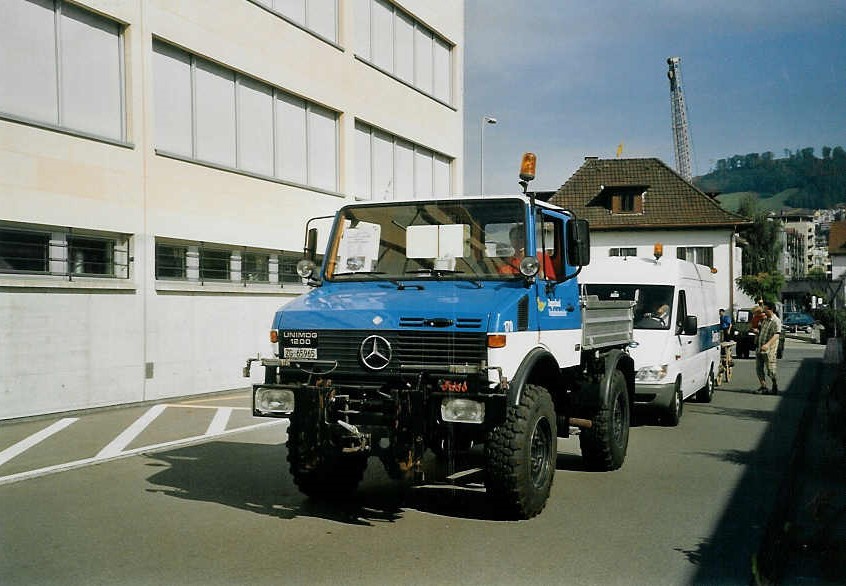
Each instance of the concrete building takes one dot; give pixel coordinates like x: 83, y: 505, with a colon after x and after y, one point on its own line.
x: 159, y: 160
x: 632, y: 204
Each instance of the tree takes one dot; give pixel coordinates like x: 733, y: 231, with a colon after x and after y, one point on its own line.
x: 763, y: 248
x: 761, y: 277
x: 762, y: 285
x: 817, y: 274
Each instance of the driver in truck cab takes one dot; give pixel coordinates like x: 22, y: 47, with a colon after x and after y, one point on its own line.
x: 517, y: 236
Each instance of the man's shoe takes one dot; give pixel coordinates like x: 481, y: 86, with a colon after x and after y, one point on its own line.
x: 774, y: 391
x: 762, y: 390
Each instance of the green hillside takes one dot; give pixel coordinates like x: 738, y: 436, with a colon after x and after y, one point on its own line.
x: 799, y: 180
x: 773, y: 203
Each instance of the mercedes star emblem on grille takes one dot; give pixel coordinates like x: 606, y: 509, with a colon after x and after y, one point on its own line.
x: 375, y: 352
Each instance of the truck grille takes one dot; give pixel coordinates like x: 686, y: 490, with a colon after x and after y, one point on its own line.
x: 409, y: 348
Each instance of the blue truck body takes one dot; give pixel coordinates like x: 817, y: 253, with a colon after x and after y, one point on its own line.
x: 441, y: 325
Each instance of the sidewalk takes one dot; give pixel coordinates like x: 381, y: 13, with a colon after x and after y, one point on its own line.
x: 805, y: 540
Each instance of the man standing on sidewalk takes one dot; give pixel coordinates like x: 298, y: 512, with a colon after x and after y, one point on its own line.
x: 767, y: 349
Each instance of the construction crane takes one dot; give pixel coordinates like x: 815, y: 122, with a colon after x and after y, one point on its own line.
x: 681, y: 135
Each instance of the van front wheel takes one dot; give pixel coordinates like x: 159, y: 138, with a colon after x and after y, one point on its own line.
x: 672, y: 416
x: 706, y: 393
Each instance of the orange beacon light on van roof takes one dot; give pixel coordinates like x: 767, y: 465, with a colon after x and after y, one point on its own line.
x: 658, y: 250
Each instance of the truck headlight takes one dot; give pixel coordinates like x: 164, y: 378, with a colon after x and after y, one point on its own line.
x: 280, y: 401
x: 462, y: 411
x: 652, y: 374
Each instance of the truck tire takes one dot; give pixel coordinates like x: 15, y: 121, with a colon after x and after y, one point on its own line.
x: 604, y: 444
x: 706, y: 393
x: 521, y: 456
x: 672, y: 415
x: 321, y: 470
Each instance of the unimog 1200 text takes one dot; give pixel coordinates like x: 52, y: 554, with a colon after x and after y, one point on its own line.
x: 445, y: 324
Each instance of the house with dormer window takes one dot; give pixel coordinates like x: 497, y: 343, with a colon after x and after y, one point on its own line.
x: 632, y: 204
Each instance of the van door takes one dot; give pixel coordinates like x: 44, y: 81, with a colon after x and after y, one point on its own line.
x: 690, y: 359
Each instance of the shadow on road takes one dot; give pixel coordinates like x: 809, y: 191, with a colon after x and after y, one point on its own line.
x: 255, y: 478
x: 725, y: 557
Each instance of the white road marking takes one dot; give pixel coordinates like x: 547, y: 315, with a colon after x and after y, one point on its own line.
x: 118, y: 444
x: 34, y: 439
x: 221, y: 418
x: 125, y: 454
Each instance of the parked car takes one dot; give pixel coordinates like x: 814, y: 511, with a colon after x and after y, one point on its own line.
x: 745, y: 338
x: 798, y: 321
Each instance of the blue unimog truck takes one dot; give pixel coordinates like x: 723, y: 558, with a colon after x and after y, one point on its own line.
x: 445, y: 324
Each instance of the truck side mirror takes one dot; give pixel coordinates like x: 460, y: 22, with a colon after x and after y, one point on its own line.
x: 310, y: 249
x: 578, y: 242
x: 691, y: 325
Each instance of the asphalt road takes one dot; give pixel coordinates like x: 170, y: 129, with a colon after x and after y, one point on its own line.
x: 200, y: 494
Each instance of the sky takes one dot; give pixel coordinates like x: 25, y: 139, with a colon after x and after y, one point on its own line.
x: 567, y: 79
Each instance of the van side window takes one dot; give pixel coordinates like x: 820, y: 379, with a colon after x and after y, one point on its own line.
x: 682, y: 312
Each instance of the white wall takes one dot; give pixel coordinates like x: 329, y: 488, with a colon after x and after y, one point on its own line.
x: 644, y: 241
x: 85, y: 342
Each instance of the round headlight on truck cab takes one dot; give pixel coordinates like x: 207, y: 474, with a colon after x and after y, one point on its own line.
x: 305, y: 268
x: 529, y: 266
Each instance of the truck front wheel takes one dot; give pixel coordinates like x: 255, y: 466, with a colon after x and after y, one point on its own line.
x: 521, y: 455
x: 604, y: 444
x: 320, y: 469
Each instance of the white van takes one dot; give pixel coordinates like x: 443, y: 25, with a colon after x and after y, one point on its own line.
x: 676, y: 345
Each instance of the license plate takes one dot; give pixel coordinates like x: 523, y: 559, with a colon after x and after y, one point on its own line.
x: 300, y: 353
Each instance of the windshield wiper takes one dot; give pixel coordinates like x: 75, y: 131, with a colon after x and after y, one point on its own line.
x: 399, y: 284
x: 438, y: 273
x: 356, y: 273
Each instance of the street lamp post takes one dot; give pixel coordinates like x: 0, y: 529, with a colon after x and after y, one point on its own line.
x: 485, y: 120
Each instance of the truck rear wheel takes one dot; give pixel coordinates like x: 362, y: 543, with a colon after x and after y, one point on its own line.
x: 521, y: 455
x: 320, y: 469
x: 604, y: 445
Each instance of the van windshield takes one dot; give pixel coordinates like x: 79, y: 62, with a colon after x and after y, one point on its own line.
x: 445, y: 239
x: 653, y: 309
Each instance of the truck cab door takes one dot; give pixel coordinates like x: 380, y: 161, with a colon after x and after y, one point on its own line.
x: 558, y: 310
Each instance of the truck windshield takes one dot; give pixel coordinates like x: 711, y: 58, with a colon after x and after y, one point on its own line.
x: 653, y: 308
x: 450, y: 239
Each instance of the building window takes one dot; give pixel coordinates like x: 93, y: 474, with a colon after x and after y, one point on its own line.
x: 398, y: 44
x: 63, y: 252
x: 212, y: 114
x: 319, y: 16
x: 214, y: 264
x: 703, y: 255
x: 388, y: 167
x: 255, y: 267
x: 170, y: 261
x: 202, y: 262
x: 622, y: 251
x: 24, y: 252
x: 63, y: 66
x: 91, y: 256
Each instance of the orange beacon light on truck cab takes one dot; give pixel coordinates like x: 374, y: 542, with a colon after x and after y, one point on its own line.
x: 527, y: 166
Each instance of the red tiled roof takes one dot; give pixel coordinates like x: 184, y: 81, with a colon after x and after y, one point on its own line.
x: 668, y: 200
x: 837, y: 238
